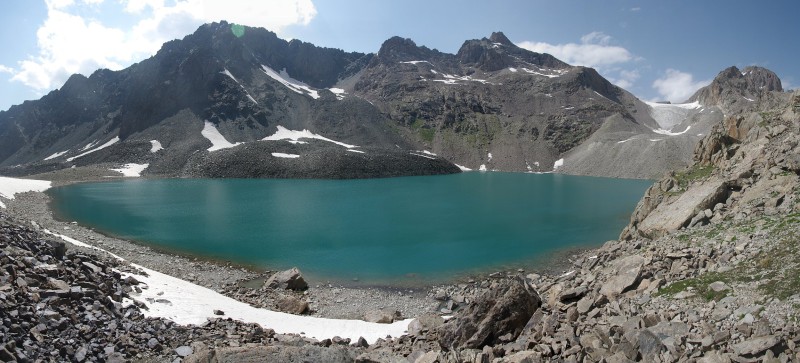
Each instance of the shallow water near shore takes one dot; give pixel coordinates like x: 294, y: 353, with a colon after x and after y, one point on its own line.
x: 378, y: 231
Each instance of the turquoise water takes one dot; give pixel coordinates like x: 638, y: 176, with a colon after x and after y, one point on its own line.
x: 376, y: 230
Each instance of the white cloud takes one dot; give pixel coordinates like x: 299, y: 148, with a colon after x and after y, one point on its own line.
x: 625, y: 78
x: 69, y: 43
x: 594, y: 50
x: 5, y: 69
x: 634, y: 9
x: 677, y: 86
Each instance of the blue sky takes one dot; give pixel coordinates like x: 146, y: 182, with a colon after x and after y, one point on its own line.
x: 655, y: 49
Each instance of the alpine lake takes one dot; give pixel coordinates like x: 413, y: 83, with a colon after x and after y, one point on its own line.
x: 393, y: 231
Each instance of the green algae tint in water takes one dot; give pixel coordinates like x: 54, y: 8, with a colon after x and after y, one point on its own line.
x: 377, y: 230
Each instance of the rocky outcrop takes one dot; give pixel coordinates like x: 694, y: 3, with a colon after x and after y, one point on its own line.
x: 736, y: 90
x: 740, y: 161
x: 290, y: 279
x: 496, y: 317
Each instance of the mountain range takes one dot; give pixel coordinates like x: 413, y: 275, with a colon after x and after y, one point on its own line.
x: 232, y: 101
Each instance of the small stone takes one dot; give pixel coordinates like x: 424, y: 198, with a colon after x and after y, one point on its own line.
x: 718, y: 286
x: 218, y: 312
x: 80, y: 354
x: 183, y: 350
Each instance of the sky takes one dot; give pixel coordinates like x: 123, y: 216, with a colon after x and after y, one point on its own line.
x: 658, y: 50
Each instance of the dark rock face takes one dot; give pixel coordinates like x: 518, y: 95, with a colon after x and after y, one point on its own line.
x: 498, y: 316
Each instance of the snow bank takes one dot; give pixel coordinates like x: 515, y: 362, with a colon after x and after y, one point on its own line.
x: 286, y: 134
x: 285, y: 156
x: 340, y: 93
x: 463, y: 168
x: 669, y: 115
x: 101, y: 147
x: 228, y: 73
x: 558, y: 73
x: 155, y: 146
x: 217, y: 140
x: 416, y: 62
x: 290, y: 82
x: 670, y: 133
x: 11, y: 186
x: 132, y: 170
x: 56, y: 155
x: 559, y: 163
x: 356, y: 151
x: 482, y: 167
x: 186, y: 303
x: 423, y: 155
x: 453, y: 79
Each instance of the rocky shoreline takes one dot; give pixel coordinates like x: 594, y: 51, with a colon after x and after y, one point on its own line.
x: 706, y: 272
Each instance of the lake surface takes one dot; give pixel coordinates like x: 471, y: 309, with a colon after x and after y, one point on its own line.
x: 429, y: 228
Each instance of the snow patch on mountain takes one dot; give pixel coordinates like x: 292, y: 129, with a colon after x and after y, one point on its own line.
x: 228, y: 73
x: 218, y: 141
x: 155, y: 146
x: 291, y: 83
x: 56, y: 155
x: 423, y: 155
x: 291, y: 135
x: 101, y: 147
x: 670, y: 133
x: 340, y: 93
x: 285, y: 156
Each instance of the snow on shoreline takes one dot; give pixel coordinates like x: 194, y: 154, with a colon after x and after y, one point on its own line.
x: 11, y: 186
x: 189, y: 303
x: 218, y: 141
x: 186, y: 303
x: 132, y: 170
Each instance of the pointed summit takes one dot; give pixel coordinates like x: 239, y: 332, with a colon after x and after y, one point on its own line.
x: 733, y: 85
x: 499, y: 37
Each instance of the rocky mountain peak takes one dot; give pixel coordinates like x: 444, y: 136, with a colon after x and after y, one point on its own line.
x: 732, y: 86
x: 499, y: 37
x: 762, y: 78
x: 397, y: 49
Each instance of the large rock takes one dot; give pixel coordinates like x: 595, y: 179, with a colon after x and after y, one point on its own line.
x: 290, y: 279
x: 626, y: 272
x: 498, y: 316
x: 755, y: 346
x: 668, y: 217
x: 424, y: 323
x: 291, y: 305
x: 381, y: 316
